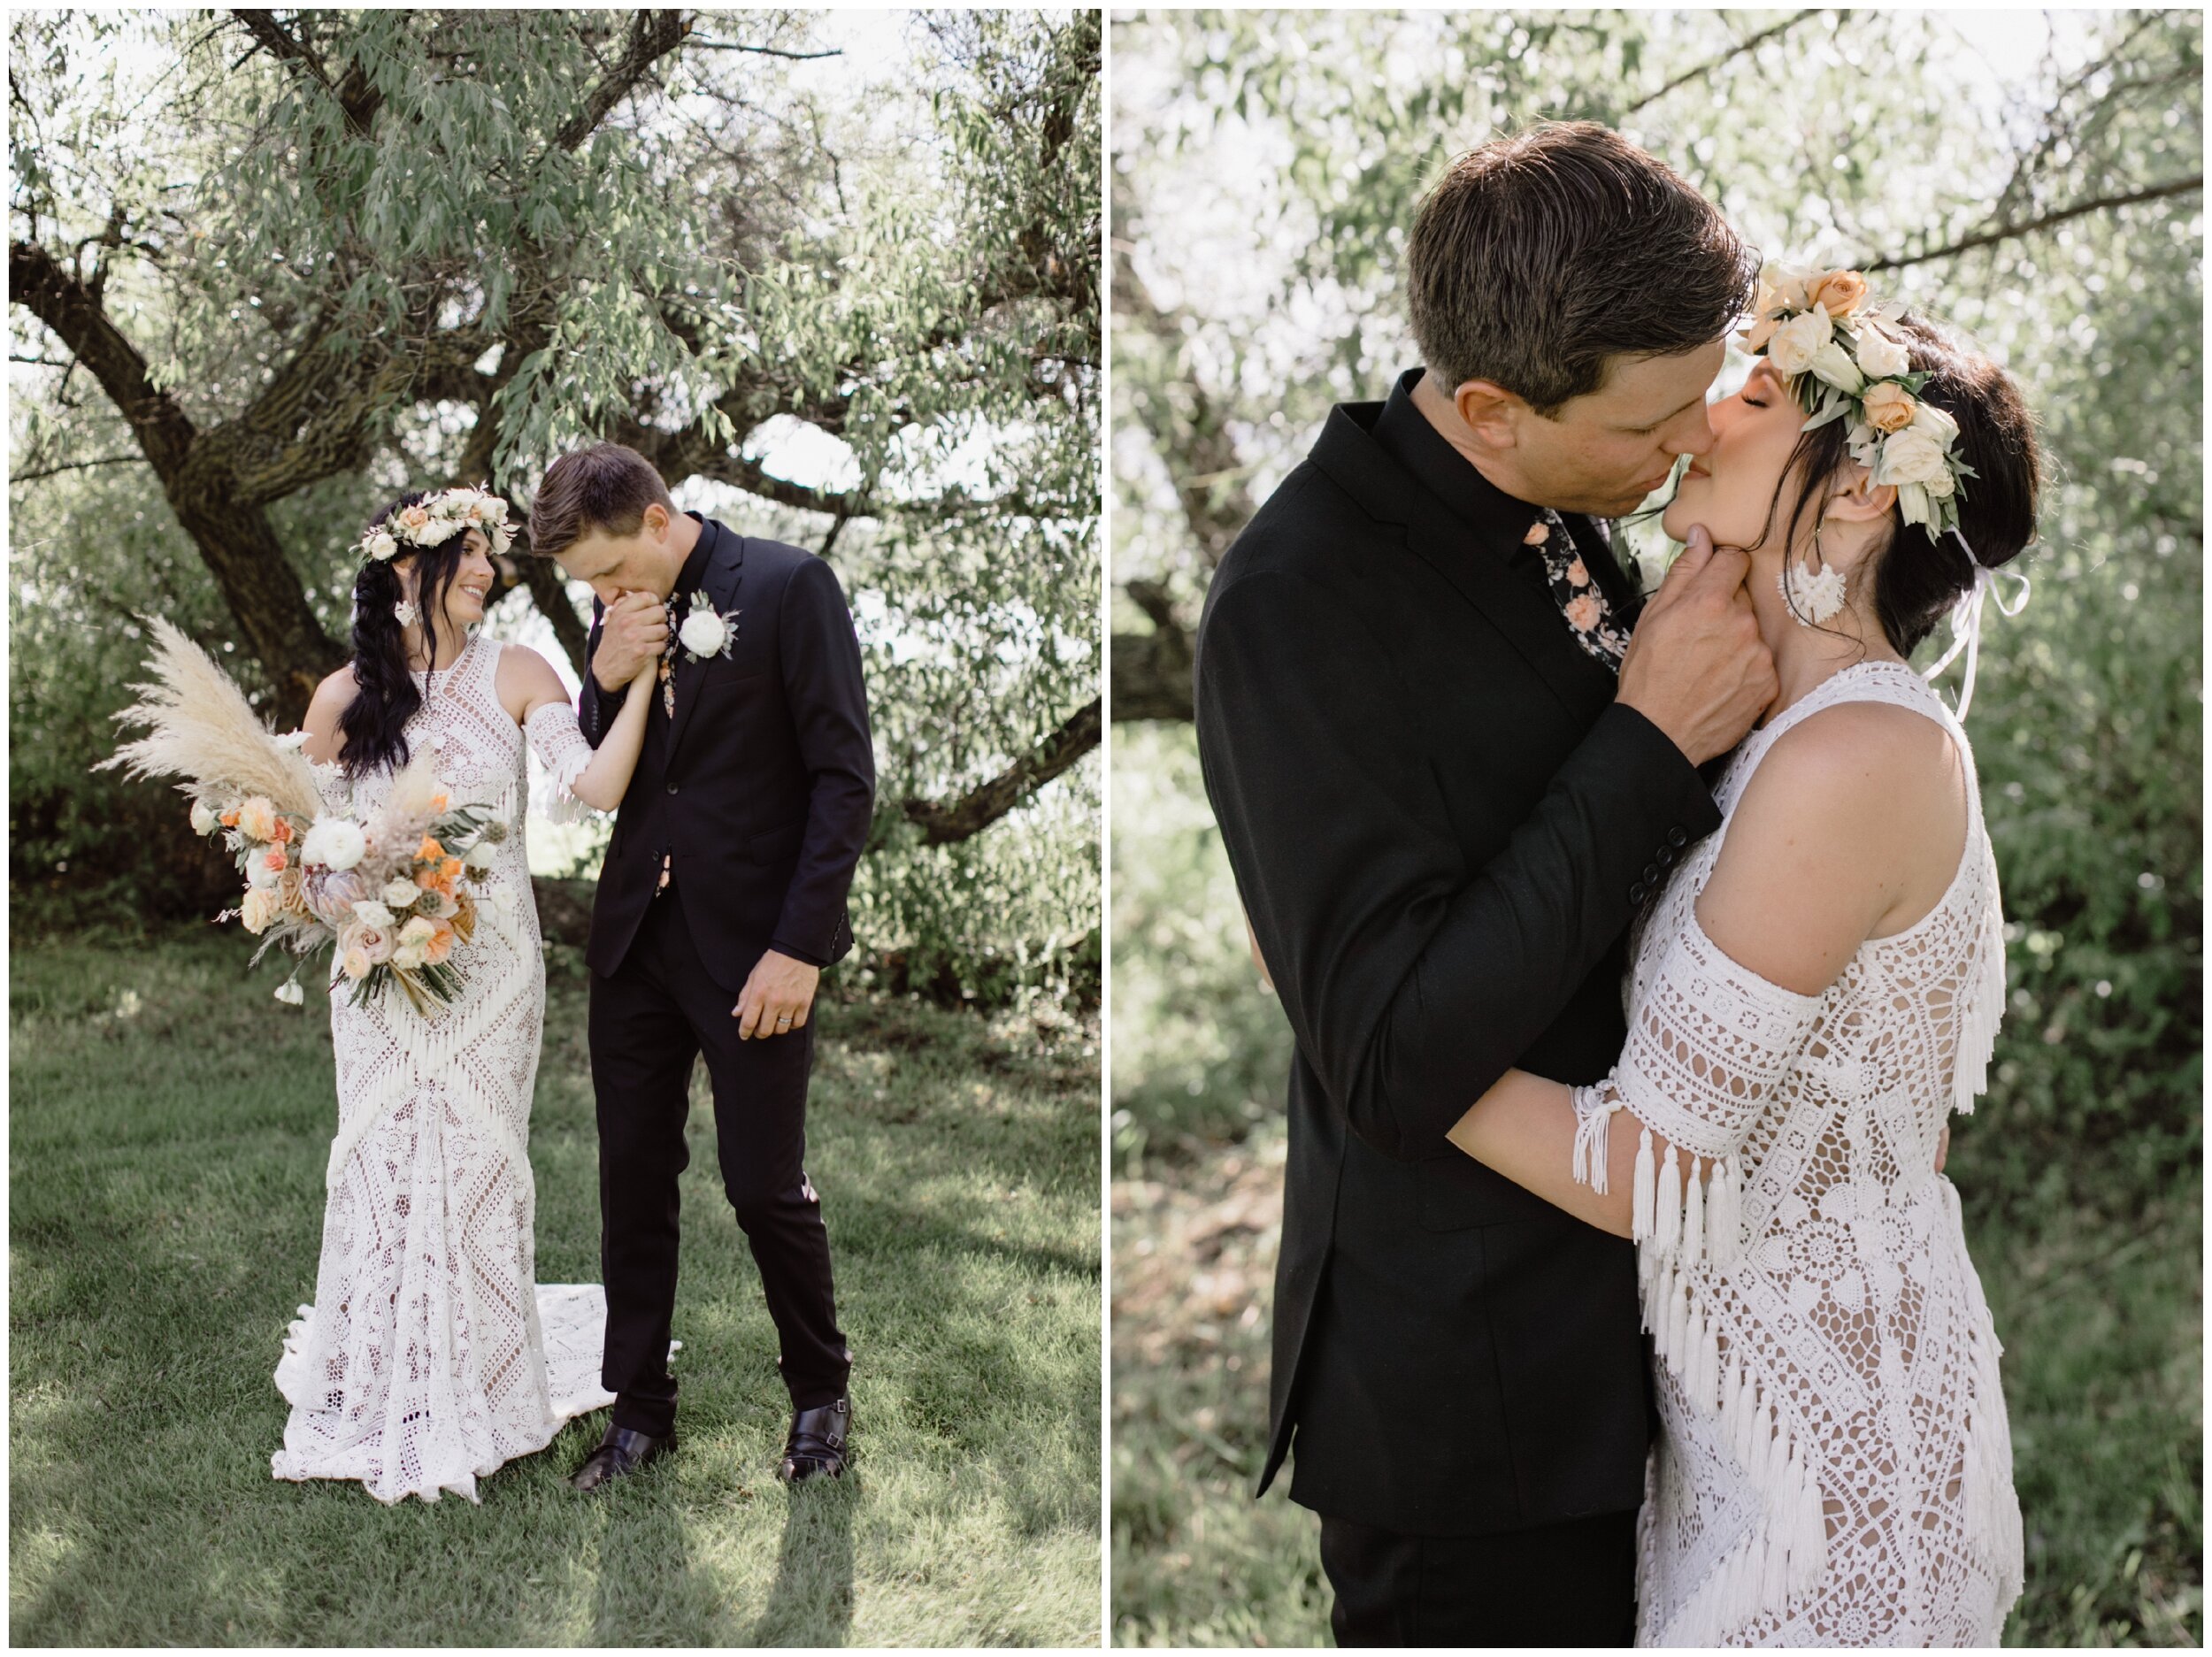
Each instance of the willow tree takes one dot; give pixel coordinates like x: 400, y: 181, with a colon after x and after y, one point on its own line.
x: 275, y: 265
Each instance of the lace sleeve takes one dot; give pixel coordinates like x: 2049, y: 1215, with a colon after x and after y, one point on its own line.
x: 559, y: 741
x: 1709, y: 1040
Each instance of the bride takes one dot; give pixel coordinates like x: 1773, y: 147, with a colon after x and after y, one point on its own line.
x: 1815, y: 989
x: 432, y: 1355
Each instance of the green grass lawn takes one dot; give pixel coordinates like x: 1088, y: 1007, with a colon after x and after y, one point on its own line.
x: 169, y: 1127
x: 2101, y: 1319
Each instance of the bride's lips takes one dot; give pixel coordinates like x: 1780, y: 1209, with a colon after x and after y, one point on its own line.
x: 1695, y: 470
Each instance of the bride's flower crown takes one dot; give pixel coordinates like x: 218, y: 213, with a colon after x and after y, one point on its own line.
x: 1845, y: 357
x: 437, y: 518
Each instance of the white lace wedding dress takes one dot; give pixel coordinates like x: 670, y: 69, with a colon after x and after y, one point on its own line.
x: 432, y: 1355
x: 1834, y: 1466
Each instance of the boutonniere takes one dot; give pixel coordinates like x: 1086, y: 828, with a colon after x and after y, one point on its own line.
x: 705, y: 632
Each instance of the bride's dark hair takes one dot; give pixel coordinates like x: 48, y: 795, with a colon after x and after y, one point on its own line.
x: 375, y: 723
x: 1917, y: 581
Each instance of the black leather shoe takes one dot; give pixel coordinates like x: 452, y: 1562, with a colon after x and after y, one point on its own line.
x: 816, y: 1449
x: 621, y: 1452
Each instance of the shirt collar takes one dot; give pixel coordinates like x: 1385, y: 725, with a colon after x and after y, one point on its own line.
x: 695, y: 569
x: 1408, y: 438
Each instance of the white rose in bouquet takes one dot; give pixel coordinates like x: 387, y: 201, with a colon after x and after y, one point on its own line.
x: 479, y: 856
x: 400, y: 893
x: 259, y: 909
x: 335, y: 842
x: 369, y: 912
x: 416, y: 934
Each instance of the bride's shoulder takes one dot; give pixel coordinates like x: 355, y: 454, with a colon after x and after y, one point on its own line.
x: 526, y: 681
x: 1856, y: 774
x: 325, y: 707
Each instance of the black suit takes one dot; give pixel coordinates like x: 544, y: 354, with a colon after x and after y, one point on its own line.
x: 755, y: 797
x: 1440, y: 824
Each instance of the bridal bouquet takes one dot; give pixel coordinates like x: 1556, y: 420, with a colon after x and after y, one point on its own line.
x: 391, y: 895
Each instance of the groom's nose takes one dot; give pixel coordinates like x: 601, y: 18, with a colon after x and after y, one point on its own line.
x: 1696, y: 435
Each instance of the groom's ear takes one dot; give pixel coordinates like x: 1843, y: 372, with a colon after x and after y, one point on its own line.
x: 1489, y: 411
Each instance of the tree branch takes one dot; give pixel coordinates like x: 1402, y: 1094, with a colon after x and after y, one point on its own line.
x: 355, y: 97
x: 38, y: 282
x: 985, y: 804
x: 653, y: 35
x: 764, y: 51
x: 78, y: 465
x: 1732, y: 53
x: 2059, y: 216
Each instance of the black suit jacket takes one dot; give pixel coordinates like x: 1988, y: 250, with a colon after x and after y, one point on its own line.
x: 1440, y: 824
x: 763, y: 784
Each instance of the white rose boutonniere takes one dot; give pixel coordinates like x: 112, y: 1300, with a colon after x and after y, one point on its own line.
x: 704, y: 632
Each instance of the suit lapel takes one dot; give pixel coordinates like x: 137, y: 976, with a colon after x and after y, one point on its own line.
x: 725, y: 572
x: 1527, y: 618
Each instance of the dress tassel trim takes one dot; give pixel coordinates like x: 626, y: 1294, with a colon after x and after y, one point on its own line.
x: 1685, y: 1215
x: 551, y: 730
x: 1985, y: 1011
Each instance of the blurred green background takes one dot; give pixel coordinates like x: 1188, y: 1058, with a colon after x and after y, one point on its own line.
x: 2034, y: 179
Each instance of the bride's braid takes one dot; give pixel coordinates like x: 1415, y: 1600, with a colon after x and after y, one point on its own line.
x: 375, y: 723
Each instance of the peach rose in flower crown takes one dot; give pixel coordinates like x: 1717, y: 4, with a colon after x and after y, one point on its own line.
x: 1889, y: 407
x: 1838, y: 293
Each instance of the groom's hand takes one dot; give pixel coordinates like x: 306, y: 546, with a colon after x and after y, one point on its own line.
x: 1696, y: 666
x: 778, y: 993
x: 632, y: 631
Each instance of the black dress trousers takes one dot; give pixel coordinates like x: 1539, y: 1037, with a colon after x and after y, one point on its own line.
x: 649, y: 1019
x: 1571, y: 1584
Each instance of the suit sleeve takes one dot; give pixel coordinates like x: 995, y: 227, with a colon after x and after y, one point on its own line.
x: 595, y: 709
x: 819, y: 651
x: 1412, y: 979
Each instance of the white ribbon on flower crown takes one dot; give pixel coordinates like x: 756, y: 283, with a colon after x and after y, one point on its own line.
x: 1966, y: 619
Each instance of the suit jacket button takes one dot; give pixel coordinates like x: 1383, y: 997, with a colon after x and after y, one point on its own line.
x: 672, y: 787
x: 1651, y: 872
x: 1677, y: 839
x: 1636, y: 893
x: 1666, y: 856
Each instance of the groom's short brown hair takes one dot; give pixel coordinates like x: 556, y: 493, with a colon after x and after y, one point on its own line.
x: 605, y: 486
x: 1540, y: 256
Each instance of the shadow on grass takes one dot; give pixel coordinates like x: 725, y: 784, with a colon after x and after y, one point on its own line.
x: 812, y: 1602
x: 167, y: 1193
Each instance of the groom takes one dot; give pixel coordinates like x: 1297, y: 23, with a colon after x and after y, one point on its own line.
x: 721, y: 899
x: 1446, y: 781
